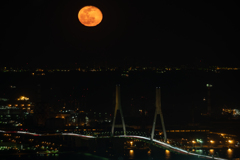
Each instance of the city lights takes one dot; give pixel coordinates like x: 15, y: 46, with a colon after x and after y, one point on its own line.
x: 199, y: 140
x: 211, y: 151
x: 167, y: 151
x: 22, y: 98
x: 131, y: 153
x: 208, y: 85
x: 74, y: 119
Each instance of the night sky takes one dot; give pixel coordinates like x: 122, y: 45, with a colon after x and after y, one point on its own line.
x: 48, y: 32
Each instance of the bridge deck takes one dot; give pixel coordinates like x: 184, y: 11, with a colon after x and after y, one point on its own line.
x: 147, y: 139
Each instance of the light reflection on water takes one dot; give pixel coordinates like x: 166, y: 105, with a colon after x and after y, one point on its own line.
x: 149, y: 152
x: 230, y: 153
x: 167, y: 154
x: 211, y: 151
x: 131, y: 154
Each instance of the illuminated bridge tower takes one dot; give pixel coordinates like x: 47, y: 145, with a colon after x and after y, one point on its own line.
x: 158, y: 111
x: 118, y: 107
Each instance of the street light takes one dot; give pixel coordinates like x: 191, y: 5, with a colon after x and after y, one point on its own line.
x: 131, y: 143
x: 230, y: 142
x: 193, y: 142
x: 212, y: 142
x: 230, y: 152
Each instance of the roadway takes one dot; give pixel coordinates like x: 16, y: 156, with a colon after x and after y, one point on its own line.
x: 147, y: 139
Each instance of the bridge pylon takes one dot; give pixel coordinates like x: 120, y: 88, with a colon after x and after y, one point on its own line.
x: 118, y: 107
x: 158, y: 111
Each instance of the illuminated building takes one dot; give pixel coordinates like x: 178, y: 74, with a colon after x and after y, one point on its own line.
x: 236, y: 112
x: 23, y: 98
x: 13, y: 112
x: 232, y: 112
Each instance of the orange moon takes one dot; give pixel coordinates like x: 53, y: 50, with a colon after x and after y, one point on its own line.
x: 90, y: 16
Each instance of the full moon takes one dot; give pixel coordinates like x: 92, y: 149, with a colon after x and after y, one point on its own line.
x: 90, y: 16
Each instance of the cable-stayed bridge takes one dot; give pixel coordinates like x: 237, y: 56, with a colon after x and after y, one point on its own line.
x: 76, y: 137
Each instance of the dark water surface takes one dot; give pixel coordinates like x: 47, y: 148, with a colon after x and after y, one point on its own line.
x: 88, y: 156
x: 129, y: 155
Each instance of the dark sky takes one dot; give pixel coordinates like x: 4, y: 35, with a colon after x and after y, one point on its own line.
x: 45, y: 32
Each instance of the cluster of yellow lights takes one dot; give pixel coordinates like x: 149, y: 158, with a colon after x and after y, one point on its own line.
x: 211, y: 151
x: 40, y: 70
x: 60, y: 117
x: 226, y: 68
x: 22, y: 98
x: 131, y: 152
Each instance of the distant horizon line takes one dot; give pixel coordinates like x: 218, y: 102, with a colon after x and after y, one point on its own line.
x: 113, y: 66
